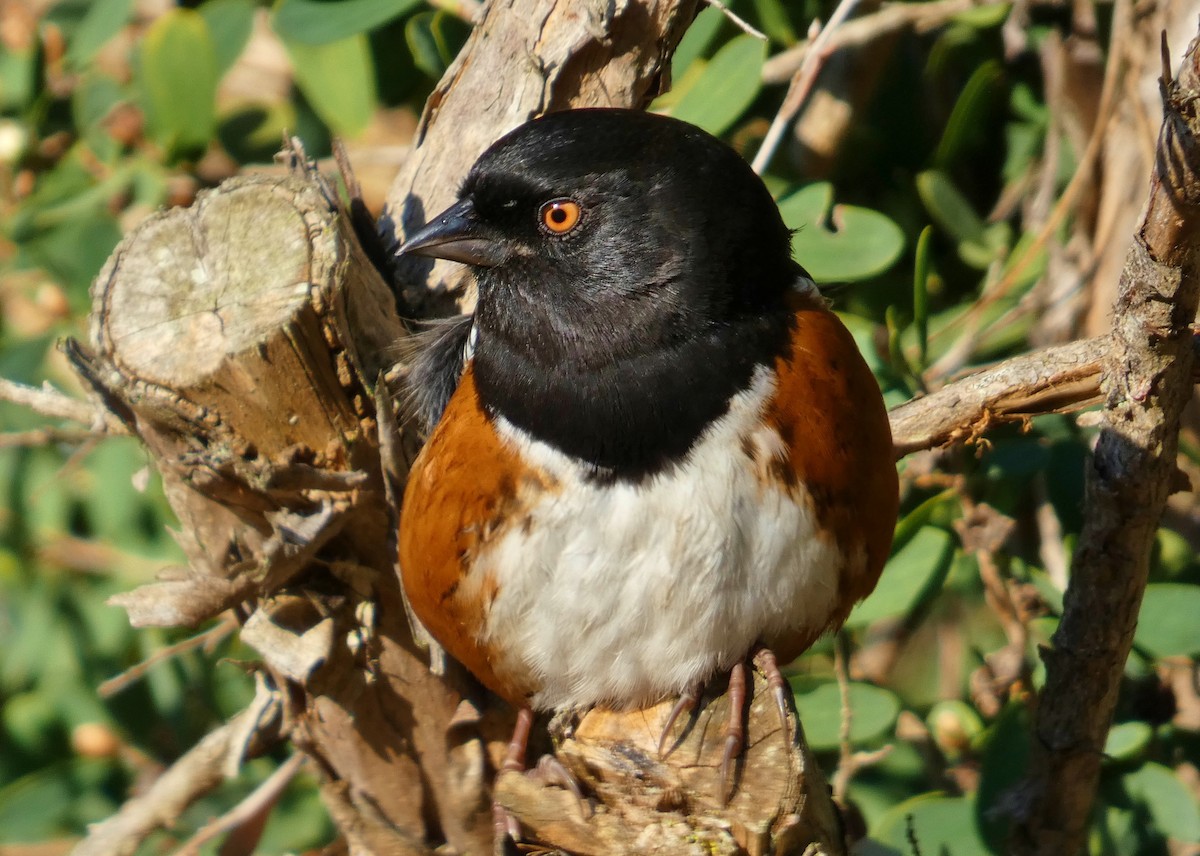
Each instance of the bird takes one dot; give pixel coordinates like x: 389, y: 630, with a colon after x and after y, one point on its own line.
x: 654, y: 452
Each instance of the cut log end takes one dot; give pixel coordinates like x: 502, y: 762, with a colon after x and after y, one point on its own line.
x: 644, y: 803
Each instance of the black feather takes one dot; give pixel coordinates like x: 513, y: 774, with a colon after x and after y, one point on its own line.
x: 436, y: 358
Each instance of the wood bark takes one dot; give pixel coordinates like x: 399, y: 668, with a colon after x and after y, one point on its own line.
x: 1147, y: 381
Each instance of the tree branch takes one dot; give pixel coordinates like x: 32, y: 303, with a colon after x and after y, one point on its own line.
x: 46, y: 401
x: 199, y: 771
x: 1147, y: 382
x: 1052, y: 380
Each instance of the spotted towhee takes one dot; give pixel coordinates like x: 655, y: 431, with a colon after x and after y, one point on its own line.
x: 656, y: 450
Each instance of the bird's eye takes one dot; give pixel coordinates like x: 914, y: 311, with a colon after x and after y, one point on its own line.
x: 559, y: 216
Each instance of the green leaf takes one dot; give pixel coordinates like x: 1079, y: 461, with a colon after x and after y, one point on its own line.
x: 696, y: 40
x: 251, y: 134
x: 984, y: 17
x: 730, y: 83
x: 873, y: 714
x: 921, y: 516
x: 1128, y: 740
x: 178, y: 76
x: 91, y: 102
x: 921, y: 297
x: 104, y: 19
x: 969, y: 113
x: 839, y: 243
x: 434, y: 38
x: 75, y: 250
x: 913, y: 573
x: 940, y: 824
x: 93, y: 98
x: 29, y: 718
x: 338, y: 79
x: 230, y: 23
x: 320, y: 22
x: 1169, y: 623
x: 1173, y: 553
x: 1167, y: 800
x: 37, y: 806
x: 1005, y: 762
x: 18, y: 77
x: 978, y: 244
x: 773, y: 18
x: 116, y: 515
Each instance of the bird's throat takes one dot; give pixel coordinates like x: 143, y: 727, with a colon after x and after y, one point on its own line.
x: 633, y: 417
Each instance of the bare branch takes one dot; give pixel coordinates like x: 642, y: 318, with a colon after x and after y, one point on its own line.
x: 861, y: 32
x: 206, y: 640
x: 1052, y: 380
x: 258, y: 802
x: 802, y: 84
x: 48, y: 401
x: 738, y: 22
x: 1147, y: 381
x: 199, y: 771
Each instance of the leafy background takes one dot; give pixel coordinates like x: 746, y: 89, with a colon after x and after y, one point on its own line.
x: 114, y: 108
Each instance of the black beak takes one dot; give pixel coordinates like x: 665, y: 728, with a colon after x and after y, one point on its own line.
x: 456, y: 234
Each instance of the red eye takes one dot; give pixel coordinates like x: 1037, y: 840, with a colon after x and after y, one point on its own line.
x: 559, y: 216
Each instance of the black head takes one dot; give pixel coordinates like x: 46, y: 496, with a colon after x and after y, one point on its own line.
x: 632, y: 270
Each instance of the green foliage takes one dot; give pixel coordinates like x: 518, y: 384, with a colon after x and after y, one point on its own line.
x: 725, y: 87
x: 178, y: 76
x: 839, y: 243
x: 129, y: 116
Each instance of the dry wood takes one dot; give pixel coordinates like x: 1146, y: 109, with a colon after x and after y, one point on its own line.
x: 242, y: 337
x: 199, y: 771
x: 648, y: 805
x: 1052, y: 380
x: 1147, y: 382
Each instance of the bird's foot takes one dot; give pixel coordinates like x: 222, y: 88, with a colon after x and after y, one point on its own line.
x: 735, y: 732
x: 686, y: 703
x: 549, y: 771
x: 764, y: 661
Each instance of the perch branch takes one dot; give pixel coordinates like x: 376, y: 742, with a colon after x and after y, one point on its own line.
x: 1147, y: 382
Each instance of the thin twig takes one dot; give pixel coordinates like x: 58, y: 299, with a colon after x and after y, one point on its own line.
x: 841, y: 668
x: 801, y: 85
x: 868, y: 28
x: 196, y: 773
x: 256, y: 802
x: 47, y: 401
x: 206, y: 640
x: 48, y: 436
x: 738, y: 22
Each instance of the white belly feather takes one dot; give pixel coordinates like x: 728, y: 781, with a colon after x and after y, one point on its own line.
x: 620, y: 593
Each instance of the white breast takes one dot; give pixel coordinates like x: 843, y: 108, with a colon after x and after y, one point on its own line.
x: 627, y: 594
